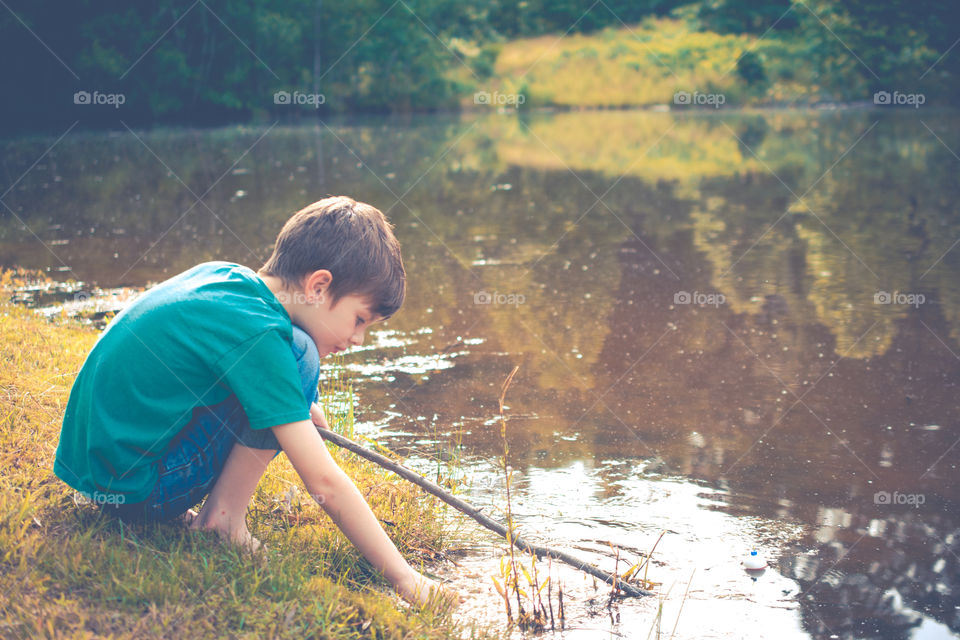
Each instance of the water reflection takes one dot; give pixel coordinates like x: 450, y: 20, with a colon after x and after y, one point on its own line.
x: 717, y: 302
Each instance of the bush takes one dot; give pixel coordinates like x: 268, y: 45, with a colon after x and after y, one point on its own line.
x: 750, y: 69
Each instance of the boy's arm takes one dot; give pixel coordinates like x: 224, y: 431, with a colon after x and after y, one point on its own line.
x: 335, y: 492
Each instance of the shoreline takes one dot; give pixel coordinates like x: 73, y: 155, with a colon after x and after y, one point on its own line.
x: 376, y: 118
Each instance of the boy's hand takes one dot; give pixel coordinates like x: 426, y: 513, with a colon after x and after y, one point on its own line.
x: 316, y: 414
x: 342, y: 501
x: 418, y: 589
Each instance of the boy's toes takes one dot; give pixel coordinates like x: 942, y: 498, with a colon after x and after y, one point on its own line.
x: 256, y: 545
x: 188, y: 517
x: 247, y: 541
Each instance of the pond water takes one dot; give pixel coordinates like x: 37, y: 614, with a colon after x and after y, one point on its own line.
x: 741, y: 328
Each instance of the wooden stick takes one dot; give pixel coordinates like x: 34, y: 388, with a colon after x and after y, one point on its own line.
x: 475, y: 513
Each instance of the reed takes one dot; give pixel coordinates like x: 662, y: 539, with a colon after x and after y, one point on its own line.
x: 537, y: 617
x: 336, y: 394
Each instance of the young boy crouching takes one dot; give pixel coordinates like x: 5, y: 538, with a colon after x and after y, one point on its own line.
x: 194, y: 387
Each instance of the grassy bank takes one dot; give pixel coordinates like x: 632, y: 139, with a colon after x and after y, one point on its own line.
x: 65, y: 571
x: 647, y: 64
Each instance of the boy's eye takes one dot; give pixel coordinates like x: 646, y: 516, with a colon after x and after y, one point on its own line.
x: 359, y: 321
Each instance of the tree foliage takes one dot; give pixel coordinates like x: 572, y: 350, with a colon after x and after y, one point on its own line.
x: 857, y: 46
x: 215, y: 61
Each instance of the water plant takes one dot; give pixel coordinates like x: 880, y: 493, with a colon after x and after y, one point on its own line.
x: 535, y: 619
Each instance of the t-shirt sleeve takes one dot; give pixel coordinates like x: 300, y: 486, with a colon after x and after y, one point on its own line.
x: 263, y: 373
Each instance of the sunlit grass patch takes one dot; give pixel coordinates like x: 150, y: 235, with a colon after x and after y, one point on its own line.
x: 644, y: 65
x: 65, y: 570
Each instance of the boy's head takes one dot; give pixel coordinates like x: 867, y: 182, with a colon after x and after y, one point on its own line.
x: 353, y: 241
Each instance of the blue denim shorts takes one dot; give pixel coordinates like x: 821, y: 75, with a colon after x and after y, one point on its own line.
x: 197, y: 454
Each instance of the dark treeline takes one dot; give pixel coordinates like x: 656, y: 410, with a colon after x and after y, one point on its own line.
x: 210, y: 61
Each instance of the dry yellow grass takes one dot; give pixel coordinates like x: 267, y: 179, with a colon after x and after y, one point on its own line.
x: 636, y: 66
x: 66, y: 571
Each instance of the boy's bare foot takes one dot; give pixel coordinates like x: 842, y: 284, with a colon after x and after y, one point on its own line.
x: 187, y: 518
x: 244, y: 539
x: 240, y: 536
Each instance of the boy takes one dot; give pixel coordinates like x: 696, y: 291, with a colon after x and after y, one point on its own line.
x: 194, y: 387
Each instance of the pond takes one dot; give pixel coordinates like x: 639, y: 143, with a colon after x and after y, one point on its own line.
x: 741, y: 328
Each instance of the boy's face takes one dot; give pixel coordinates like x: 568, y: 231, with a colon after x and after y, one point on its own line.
x: 335, y: 328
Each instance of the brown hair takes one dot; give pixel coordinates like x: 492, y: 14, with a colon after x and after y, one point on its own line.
x: 353, y: 241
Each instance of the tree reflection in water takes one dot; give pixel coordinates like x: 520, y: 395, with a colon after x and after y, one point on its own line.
x: 799, y: 395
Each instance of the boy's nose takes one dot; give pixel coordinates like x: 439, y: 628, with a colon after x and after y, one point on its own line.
x: 357, y: 339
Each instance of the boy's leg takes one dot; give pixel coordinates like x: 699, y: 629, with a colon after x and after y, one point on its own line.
x: 188, y: 468
x: 225, y: 508
x: 215, y: 438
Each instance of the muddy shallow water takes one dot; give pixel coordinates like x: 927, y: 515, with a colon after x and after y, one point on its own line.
x: 740, y: 328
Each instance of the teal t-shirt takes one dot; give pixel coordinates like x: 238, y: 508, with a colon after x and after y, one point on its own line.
x: 188, y: 342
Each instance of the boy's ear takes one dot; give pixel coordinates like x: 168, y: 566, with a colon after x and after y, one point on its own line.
x: 316, y: 284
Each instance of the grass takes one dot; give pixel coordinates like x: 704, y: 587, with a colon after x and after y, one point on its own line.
x: 67, y: 571
x: 645, y: 65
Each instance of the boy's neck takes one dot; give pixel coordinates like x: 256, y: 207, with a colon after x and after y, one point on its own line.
x: 280, y: 291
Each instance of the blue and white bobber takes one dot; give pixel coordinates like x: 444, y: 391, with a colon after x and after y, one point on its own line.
x: 754, y: 562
